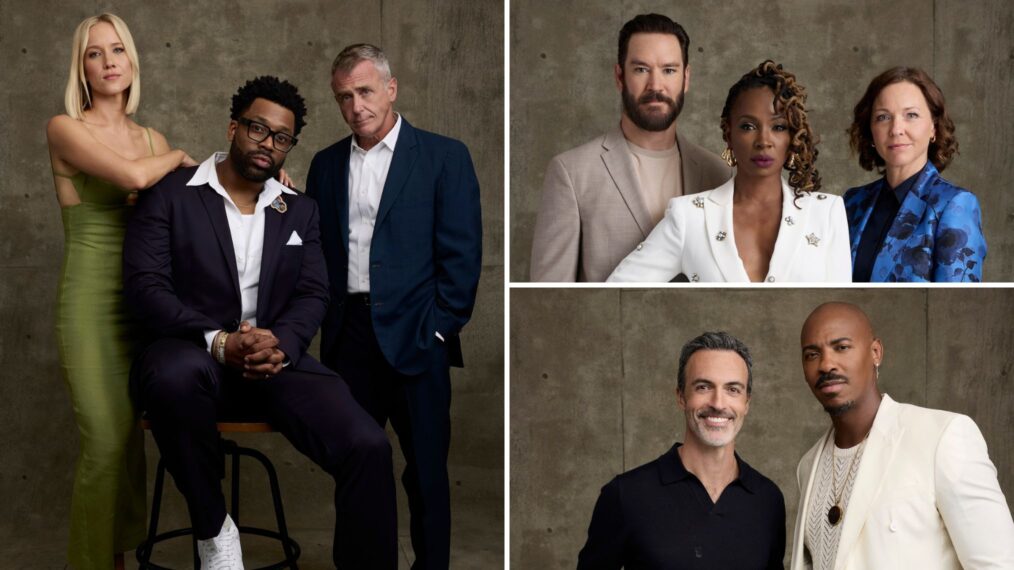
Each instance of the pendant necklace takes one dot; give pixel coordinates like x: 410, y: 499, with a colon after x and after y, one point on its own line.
x: 836, y: 512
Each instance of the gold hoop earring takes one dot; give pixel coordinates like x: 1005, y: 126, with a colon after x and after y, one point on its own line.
x: 933, y: 139
x: 728, y: 157
x: 792, y: 162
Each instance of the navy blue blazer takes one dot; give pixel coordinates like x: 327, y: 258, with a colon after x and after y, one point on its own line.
x: 936, y: 236
x: 426, y: 252
x: 179, y: 268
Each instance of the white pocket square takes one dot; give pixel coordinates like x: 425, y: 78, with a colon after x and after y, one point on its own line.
x: 294, y: 239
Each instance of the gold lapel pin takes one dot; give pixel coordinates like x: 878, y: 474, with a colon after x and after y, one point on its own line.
x: 279, y: 205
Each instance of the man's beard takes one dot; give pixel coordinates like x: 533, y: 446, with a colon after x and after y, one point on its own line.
x: 838, y: 411
x: 646, y: 120
x: 248, y: 169
x: 834, y: 411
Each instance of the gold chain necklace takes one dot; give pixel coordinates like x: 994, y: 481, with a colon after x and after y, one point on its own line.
x: 837, y: 511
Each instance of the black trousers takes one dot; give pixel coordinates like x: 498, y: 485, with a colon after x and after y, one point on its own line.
x: 184, y: 391
x: 419, y: 410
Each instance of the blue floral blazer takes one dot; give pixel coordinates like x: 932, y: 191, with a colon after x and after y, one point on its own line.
x: 936, y: 236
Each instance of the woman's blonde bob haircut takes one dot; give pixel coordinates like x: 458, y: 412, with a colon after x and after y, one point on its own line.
x: 78, y: 96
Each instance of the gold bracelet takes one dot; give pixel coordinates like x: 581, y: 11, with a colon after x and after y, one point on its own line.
x: 220, y: 346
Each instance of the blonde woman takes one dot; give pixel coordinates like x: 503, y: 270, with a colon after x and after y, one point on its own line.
x: 100, y: 157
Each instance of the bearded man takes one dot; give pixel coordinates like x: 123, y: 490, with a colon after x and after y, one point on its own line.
x: 223, y: 266
x: 603, y: 198
x: 685, y: 509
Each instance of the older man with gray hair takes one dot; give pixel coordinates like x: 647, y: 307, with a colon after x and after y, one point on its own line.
x: 685, y: 509
x: 402, y: 237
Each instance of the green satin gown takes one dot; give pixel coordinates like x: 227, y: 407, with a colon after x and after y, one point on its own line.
x: 96, y: 338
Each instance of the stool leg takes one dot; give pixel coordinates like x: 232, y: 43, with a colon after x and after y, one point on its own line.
x: 197, y: 557
x: 276, y: 497
x: 144, y: 550
x: 235, y: 484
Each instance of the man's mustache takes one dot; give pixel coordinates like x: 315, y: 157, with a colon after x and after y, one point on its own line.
x: 265, y: 155
x: 655, y: 96
x: 828, y: 377
x: 714, y: 413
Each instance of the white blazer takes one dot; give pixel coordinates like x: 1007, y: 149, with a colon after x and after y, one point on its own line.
x: 696, y: 238
x: 925, y: 496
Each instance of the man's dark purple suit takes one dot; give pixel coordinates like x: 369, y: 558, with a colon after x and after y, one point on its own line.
x: 180, y: 280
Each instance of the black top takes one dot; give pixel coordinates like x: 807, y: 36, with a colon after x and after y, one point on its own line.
x: 884, y: 211
x: 660, y: 516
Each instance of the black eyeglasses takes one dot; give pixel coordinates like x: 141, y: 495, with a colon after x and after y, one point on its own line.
x: 259, y: 131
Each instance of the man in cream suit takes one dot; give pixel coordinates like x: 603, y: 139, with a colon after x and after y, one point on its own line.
x: 603, y: 198
x: 889, y: 485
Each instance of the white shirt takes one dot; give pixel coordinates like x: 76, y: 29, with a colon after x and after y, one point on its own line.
x: 247, y: 232
x: 367, y: 174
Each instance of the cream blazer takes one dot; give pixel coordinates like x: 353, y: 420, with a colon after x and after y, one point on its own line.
x: 592, y: 213
x: 696, y: 238
x: 926, y: 497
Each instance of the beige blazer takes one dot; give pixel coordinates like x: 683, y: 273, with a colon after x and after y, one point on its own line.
x: 925, y: 497
x: 696, y: 238
x: 592, y: 215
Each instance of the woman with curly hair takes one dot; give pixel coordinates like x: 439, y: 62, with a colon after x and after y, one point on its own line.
x: 911, y: 224
x: 757, y: 226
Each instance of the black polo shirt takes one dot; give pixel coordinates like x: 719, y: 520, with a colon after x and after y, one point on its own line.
x: 881, y: 219
x: 660, y: 516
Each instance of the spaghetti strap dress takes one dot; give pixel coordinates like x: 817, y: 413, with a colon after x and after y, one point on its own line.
x: 96, y: 337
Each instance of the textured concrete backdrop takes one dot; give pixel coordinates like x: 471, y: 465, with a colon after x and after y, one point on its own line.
x: 593, y: 377
x: 448, y: 57
x: 562, y: 92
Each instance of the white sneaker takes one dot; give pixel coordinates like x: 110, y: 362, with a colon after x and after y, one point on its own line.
x: 222, y: 552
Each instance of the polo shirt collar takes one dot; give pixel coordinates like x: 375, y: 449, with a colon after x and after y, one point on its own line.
x: 672, y: 470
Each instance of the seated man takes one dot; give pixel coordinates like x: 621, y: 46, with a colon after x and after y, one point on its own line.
x: 223, y: 265
x: 699, y: 505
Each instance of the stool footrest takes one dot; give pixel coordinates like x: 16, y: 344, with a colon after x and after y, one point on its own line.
x: 290, y: 547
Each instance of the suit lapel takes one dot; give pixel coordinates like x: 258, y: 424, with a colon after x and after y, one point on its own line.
x: 341, y: 186
x: 214, y: 205
x: 909, y: 214
x: 718, y: 229
x: 798, y: 541
x: 790, y: 236
x: 405, y: 154
x: 856, y: 234
x: 874, y: 465
x: 692, y: 172
x: 620, y: 165
x: 269, y: 257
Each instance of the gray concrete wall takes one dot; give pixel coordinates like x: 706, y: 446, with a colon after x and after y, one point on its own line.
x: 448, y: 57
x: 593, y: 376
x: 562, y: 91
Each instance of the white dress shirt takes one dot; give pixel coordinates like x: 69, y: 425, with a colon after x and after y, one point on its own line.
x: 367, y: 174
x: 247, y: 232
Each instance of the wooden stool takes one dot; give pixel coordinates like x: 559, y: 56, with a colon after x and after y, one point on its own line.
x: 289, y: 546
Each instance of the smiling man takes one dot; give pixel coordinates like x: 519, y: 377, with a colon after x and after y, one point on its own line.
x: 601, y: 199
x: 684, y: 509
x: 889, y: 485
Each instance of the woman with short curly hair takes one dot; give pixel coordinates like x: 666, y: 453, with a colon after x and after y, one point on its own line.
x: 757, y: 226
x: 911, y: 224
